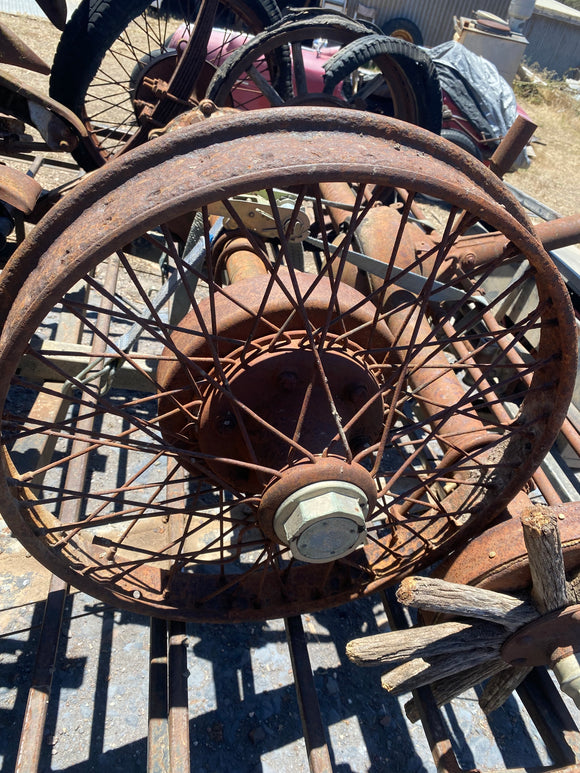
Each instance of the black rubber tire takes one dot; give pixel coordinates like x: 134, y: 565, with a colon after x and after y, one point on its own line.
x: 92, y: 30
x: 412, y: 64
x: 462, y: 141
x: 297, y: 26
x: 403, y: 29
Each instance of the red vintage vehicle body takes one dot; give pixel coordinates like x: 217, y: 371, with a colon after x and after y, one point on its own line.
x: 248, y: 95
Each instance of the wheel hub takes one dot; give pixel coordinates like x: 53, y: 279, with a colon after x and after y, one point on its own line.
x: 319, y: 509
x: 283, y: 388
x: 274, y: 403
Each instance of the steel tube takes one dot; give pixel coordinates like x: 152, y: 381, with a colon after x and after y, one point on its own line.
x: 472, y: 252
x: 429, y: 374
x: 242, y: 260
x: 516, y: 139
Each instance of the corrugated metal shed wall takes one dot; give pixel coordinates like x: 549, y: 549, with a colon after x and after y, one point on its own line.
x: 554, y: 44
x: 434, y: 18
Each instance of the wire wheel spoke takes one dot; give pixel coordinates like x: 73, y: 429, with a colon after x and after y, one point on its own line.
x: 261, y: 426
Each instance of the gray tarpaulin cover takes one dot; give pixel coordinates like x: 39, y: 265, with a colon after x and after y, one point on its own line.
x: 476, y: 87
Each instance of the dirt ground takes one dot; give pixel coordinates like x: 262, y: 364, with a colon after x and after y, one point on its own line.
x: 552, y: 178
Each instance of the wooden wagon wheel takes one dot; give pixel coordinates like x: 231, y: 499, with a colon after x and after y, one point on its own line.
x: 530, y: 618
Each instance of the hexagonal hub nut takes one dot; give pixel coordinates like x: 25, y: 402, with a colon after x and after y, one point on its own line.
x: 323, y: 521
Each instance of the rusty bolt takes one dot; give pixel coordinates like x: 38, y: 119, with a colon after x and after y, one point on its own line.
x: 287, y: 380
x: 226, y: 422
x: 207, y: 107
x: 468, y: 261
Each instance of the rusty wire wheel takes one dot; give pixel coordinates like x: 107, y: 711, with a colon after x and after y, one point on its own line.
x: 114, y: 60
x: 243, y: 81
x: 285, y: 441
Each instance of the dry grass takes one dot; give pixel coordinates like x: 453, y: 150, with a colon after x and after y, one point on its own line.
x: 554, y: 174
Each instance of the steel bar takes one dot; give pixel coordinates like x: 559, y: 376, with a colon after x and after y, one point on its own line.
x: 531, y: 204
x: 178, y: 727
x: 32, y: 732
x: 178, y: 701
x: 58, y: 163
x: 316, y: 746
x: 408, y: 280
x: 157, y: 736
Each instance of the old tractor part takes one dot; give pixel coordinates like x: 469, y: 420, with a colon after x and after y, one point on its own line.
x: 19, y: 194
x: 18, y: 190
x: 126, y: 68
x: 60, y: 129
x: 288, y: 439
x: 536, y: 558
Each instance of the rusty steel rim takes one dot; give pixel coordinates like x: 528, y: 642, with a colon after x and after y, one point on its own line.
x: 498, y: 558
x: 184, y: 540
